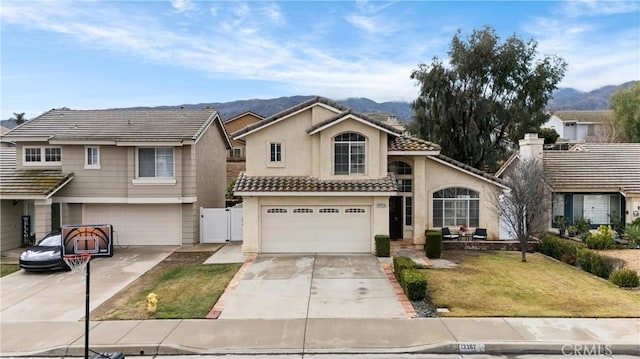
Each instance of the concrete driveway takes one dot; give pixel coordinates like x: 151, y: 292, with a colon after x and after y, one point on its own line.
x: 313, y: 286
x: 60, y: 296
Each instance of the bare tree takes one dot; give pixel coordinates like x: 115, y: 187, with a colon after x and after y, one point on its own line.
x: 523, y: 209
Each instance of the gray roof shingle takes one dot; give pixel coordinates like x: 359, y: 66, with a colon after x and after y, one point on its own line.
x: 117, y: 125
x: 19, y: 184
x: 595, y: 167
x: 312, y: 184
x: 584, y: 116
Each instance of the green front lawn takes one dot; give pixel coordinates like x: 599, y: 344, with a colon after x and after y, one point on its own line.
x: 186, y: 289
x: 498, y: 284
x: 6, y: 269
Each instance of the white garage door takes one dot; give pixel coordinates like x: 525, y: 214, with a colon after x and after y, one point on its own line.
x: 138, y: 224
x: 316, y: 229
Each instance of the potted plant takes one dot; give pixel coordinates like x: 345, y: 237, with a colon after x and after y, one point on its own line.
x: 572, y: 231
x: 463, y: 230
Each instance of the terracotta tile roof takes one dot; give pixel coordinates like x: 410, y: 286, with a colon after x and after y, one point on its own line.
x: 32, y: 183
x: 595, y: 167
x: 118, y: 125
x: 312, y: 184
x: 409, y: 144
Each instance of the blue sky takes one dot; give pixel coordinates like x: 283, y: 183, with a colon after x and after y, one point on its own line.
x: 104, y: 54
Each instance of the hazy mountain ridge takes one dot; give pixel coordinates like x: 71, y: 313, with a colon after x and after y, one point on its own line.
x: 563, y: 99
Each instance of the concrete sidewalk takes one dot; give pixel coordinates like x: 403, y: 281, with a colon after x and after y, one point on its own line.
x: 297, y: 336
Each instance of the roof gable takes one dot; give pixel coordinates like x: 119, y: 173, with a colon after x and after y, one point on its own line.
x: 350, y: 115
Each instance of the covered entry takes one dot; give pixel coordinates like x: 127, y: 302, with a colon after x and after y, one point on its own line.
x: 316, y: 229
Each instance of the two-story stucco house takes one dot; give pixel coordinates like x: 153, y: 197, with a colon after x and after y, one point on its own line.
x: 322, y: 178
x: 579, y: 126
x: 146, y: 172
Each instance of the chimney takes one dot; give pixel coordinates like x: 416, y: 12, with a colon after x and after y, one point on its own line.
x: 531, y: 146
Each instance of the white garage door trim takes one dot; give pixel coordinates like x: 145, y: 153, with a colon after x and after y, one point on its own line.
x: 316, y: 229
x: 138, y: 224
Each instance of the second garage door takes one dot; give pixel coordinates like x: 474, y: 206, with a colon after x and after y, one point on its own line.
x: 138, y: 224
x: 316, y: 229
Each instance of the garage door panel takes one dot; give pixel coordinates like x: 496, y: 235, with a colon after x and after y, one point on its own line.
x: 313, y: 229
x: 138, y: 224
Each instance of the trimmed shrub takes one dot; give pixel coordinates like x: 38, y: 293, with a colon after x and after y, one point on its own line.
x: 383, y: 245
x: 632, y: 234
x: 400, y: 264
x: 414, y: 284
x: 602, y: 239
x: 597, y: 264
x: 565, y: 250
x: 433, y: 244
x: 625, y: 277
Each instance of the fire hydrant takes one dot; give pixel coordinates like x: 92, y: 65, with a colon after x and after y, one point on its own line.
x: 152, y: 302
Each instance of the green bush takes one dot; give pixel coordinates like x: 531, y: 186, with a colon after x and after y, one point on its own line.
x: 602, y: 239
x: 433, y: 244
x: 625, y: 277
x: 383, y: 245
x: 583, y: 225
x: 632, y: 234
x: 400, y: 264
x: 565, y: 250
x: 414, y: 284
x: 597, y: 264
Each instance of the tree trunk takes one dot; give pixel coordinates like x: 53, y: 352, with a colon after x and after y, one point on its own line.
x: 523, y: 248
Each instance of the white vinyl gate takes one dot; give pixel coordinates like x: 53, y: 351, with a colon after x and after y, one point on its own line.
x: 220, y: 225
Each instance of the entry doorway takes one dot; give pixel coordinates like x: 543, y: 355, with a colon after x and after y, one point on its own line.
x: 395, y: 218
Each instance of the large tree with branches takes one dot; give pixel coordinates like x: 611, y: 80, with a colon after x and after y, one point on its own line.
x: 524, y: 208
x: 489, y: 96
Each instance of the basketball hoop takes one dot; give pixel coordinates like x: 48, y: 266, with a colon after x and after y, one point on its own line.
x: 77, y: 261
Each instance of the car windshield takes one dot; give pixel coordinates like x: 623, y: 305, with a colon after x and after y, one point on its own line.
x: 51, y: 240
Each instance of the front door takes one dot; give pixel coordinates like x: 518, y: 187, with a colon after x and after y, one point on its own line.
x: 395, y: 217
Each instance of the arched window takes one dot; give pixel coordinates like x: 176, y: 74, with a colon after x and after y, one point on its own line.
x: 349, y: 154
x: 456, y: 206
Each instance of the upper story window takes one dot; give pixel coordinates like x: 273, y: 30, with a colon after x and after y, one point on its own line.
x: 42, y: 156
x: 92, y: 157
x: 349, y: 154
x: 399, y: 168
x: 155, y: 162
x: 275, y: 152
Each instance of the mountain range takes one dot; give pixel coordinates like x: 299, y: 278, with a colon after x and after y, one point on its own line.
x: 563, y: 99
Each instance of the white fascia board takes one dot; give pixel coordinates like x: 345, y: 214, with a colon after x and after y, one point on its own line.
x: 315, y: 194
x: 469, y: 172
x: 60, y: 187
x: 9, y: 197
x: 18, y: 139
x: 413, y: 153
x: 126, y: 200
x: 355, y: 118
x: 151, y: 143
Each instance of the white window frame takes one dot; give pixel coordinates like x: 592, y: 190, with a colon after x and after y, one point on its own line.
x: 351, y: 146
x: 43, y: 156
x: 91, y: 166
x: 278, y: 162
x: 154, y: 180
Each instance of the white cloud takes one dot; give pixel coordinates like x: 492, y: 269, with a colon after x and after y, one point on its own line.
x: 592, y: 8
x: 183, y: 5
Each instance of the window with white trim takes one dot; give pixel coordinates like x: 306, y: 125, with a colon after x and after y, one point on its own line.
x: 456, y: 207
x: 42, y: 155
x: 275, y: 152
x: 349, y: 154
x: 92, y: 157
x: 404, y: 179
x: 155, y: 162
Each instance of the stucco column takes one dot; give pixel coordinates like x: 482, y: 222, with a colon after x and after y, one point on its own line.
x: 420, y: 214
x: 250, y: 225
x: 42, y: 222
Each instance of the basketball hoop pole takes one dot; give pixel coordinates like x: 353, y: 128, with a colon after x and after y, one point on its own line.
x: 86, y: 309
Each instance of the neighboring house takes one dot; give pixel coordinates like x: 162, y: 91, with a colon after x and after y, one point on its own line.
x: 236, y: 154
x: 3, y: 142
x: 578, y: 126
x: 596, y: 181
x: 146, y: 172
x: 322, y: 178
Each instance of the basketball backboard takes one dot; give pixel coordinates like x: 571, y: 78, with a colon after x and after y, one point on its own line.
x: 93, y: 239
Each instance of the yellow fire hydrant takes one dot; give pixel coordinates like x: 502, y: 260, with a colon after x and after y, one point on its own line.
x: 152, y: 302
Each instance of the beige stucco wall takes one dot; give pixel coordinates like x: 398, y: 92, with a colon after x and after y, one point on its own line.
x: 252, y: 213
x: 632, y: 204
